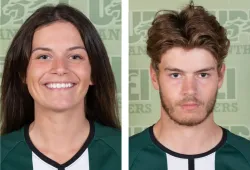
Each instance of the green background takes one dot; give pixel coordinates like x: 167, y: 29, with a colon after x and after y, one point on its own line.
x: 231, y: 110
x: 104, y: 14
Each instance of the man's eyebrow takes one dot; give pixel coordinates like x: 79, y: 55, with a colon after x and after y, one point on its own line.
x: 173, y: 69
x: 50, y: 50
x: 181, y: 71
x: 205, y: 69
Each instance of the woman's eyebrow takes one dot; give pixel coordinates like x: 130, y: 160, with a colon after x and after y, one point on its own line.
x: 49, y: 49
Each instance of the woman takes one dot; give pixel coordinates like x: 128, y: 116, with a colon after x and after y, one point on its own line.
x: 59, y: 108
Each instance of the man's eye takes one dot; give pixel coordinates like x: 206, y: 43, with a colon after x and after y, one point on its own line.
x: 175, y: 75
x: 204, y: 75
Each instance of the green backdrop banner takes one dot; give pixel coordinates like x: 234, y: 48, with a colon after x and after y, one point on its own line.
x: 231, y: 110
x: 104, y: 14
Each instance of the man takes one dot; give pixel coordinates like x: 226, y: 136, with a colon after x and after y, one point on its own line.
x: 187, y: 51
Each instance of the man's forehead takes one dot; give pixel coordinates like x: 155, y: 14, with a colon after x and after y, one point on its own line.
x: 191, y: 60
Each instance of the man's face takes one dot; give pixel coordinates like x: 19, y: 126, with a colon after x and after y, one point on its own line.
x: 188, y: 81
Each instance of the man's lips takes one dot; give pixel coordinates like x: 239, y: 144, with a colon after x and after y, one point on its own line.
x: 189, y: 106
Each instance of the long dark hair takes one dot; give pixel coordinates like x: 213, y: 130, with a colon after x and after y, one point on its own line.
x: 17, y: 105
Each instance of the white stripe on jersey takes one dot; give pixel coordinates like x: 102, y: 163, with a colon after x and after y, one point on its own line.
x: 39, y: 164
x: 175, y: 163
x: 203, y: 163
x: 81, y: 163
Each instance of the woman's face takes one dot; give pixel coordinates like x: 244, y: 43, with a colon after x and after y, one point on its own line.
x: 59, y: 72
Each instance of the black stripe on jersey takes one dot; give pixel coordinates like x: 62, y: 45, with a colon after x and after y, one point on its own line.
x: 190, y: 164
x: 61, y: 168
x: 179, y: 155
x: 52, y: 162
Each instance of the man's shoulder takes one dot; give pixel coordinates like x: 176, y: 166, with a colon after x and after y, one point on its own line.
x: 137, y: 143
x: 139, y: 140
x: 239, y: 143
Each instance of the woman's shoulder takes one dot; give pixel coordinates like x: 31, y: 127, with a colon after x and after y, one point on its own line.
x: 10, y: 142
x: 12, y: 137
x: 107, y: 137
x: 103, y: 131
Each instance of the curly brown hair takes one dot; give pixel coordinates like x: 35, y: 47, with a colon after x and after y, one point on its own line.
x: 192, y: 27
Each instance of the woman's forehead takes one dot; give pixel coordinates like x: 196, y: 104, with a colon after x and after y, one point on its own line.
x: 57, y: 34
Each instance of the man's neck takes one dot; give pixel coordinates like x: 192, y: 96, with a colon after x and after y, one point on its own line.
x: 188, y: 140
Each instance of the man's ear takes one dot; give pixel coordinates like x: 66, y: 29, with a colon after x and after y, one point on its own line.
x: 221, y: 73
x: 154, y: 77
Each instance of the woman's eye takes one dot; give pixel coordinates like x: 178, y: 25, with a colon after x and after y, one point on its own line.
x: 76, y: 57
x: 43, y: 57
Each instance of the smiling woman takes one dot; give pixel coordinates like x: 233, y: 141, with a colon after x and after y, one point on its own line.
x: 59, y: 71
x: 59, y: 107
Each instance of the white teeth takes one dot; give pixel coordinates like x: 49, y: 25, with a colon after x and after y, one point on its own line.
x: 59, y: 85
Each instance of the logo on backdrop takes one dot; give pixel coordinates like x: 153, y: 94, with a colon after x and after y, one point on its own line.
x: 15, y: 12
x: 139, y: 91
x: 237, y: 23
x: 116, y: 67
x: 140, y: 21
x: 226, y: 98
x: 106, y: 15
